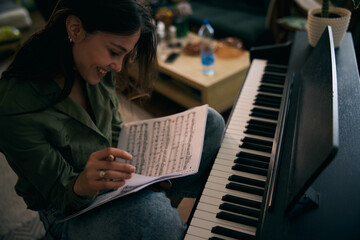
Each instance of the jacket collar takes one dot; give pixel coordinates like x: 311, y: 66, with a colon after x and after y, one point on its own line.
x: 97, y: 103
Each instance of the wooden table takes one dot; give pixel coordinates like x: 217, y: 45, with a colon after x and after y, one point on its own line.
x: 183, y: 81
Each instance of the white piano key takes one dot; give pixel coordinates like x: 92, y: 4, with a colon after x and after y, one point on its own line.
x: 213, y: 209
x: 216, y: 202
x: 229, y: 152
x: 210, y: 187
x: 210, y: 200
x: 196, y: 232
x: 228, y: 171
x: 208, y: 207
x: 203, y: 218
x: 236, y: 139
x: 192, y: 237
x: 219, y: 184
x: 218, y: 194
x: 229, y: 144
x: 233, y: 145
x: 229, y: 162
x: 219, y: 180
x: 227, y: 156
x: 220, y: 174
x: 224, y: 181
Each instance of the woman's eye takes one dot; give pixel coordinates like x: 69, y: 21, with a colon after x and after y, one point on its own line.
x: 114, y: 54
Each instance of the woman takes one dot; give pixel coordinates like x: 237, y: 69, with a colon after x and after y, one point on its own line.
x: 59, y: 123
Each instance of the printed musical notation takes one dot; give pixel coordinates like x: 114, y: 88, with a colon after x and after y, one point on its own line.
x: 167, y: 149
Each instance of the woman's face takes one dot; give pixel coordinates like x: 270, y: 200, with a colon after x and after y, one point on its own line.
x: 98, y: 53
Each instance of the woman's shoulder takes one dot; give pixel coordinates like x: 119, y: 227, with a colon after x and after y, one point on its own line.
x: 20, y: 95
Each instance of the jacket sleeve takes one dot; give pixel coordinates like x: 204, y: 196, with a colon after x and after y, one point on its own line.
x: 38, y: 164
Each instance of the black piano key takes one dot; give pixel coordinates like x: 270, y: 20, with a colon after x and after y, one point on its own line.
x: 256, y: 147
x: 232, y: 233
x: 266, y: 104
x: 260, y: 128
x: 257, y: 141
x: 259, y: 133
x: 275, y: 69
x: 270, y: 98
x: 237, y: 218
x: 268, y: 125
x: 270, y: 89
x: 268, y: 75
x: 241, y: 201
x: 271, y: 80
x: 250, y: 181
x: 245, y: 188
x: 216, y: 238
x: 264, y: 113
x: 240, y: 209
x: 274, y: 100
x: 278, y: 64
x: 251, y: 162
x: 249, y: 169
x: 273, y: 75
x: 253, y: 156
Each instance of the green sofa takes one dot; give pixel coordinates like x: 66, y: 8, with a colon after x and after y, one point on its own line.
x: 244, y: 19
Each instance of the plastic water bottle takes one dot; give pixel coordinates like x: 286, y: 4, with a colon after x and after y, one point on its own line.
x: 207, y: 48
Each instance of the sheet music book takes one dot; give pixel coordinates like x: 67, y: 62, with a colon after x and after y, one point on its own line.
x: 162, y: 148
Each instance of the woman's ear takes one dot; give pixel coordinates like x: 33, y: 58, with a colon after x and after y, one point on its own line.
x: 74, y: 28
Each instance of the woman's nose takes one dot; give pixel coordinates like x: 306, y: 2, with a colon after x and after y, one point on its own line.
x: 116, y: 65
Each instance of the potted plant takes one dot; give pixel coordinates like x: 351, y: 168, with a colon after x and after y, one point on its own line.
x: 337, y: 18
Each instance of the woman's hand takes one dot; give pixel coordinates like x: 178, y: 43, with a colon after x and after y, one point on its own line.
x: 102, y: 173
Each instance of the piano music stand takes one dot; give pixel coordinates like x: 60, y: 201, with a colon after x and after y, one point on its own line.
x: 316, y: 136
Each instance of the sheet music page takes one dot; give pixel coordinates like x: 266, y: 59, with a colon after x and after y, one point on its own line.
x: 166, y: 145
x: 162, y: 148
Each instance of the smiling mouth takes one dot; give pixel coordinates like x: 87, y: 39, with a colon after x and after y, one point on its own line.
x: 102, y: 71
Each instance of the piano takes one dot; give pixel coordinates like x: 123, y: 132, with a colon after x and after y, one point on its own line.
x: 289, y: 163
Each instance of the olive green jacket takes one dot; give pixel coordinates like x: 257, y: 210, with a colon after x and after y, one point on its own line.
x: 48, y: 149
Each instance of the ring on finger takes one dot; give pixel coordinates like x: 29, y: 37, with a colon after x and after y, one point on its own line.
x: 102, y: 174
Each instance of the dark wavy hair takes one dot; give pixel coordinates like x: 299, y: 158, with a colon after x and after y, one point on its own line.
x: 47, y: 54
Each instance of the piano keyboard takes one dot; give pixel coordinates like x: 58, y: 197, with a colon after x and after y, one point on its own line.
x: 231, y: 201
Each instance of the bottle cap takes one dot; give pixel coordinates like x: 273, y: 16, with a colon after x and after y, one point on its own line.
x: 205, y: 21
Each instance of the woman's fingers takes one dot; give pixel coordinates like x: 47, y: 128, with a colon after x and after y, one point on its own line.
x: 103, y: 159
x: 114, y: 152
x: 116, y: 166
x: 101, y: 172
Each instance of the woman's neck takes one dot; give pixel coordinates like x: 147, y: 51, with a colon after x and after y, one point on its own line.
x: 78, y: 93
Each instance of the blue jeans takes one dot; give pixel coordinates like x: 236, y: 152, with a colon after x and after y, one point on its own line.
x: 145, y: 214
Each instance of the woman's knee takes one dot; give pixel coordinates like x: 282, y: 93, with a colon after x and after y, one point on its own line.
x: 161, y: 213
x: 215, y: 127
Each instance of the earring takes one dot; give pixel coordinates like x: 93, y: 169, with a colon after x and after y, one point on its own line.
x: 70, y: 39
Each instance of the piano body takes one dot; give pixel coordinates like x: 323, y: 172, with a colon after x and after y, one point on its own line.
x: 289, y: 164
